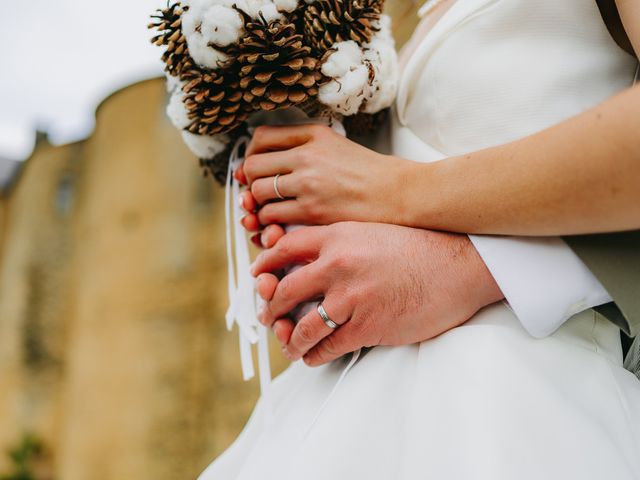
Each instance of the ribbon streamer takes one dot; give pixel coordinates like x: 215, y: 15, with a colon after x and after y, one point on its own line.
x: 242, y: 309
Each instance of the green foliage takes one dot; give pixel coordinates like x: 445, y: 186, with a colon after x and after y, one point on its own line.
x: 23, y: 457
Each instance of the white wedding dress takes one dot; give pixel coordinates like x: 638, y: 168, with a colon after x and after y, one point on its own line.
x: 485, y: 400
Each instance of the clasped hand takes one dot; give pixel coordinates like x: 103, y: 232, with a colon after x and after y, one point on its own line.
x: 383, y: 284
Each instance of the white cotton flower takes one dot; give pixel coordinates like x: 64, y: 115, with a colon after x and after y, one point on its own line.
x: 208, y: 23
x: 286, y: 5
x: 349, y: 78
x: 347, y: 56
x: 172, y: 82
x: 345, y: 94
x: 269, y: 12
x: 204, y: 146
x: 269, y: 9
x: 381, y: 54
x: 221, y: 25
x: 176, y: 110
x: 203, y: 54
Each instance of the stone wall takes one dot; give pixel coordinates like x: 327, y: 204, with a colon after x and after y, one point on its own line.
x: 112, y: 292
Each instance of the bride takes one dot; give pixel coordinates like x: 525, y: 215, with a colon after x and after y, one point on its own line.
x: 486, y: 399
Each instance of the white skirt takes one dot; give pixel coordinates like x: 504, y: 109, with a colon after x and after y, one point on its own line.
x: 483, y: 401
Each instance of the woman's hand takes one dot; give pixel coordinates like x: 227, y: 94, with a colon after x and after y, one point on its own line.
x: 324, y: 177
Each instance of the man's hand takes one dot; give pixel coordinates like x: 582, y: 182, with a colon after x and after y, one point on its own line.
x: 383, y: 284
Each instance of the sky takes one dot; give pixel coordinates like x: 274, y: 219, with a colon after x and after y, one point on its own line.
x: 59, y: 59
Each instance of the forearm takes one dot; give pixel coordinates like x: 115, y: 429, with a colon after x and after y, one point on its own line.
x: 582, y: 176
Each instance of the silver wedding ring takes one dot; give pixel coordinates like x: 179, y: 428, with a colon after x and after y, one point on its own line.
x: 275, y: 187
x: 325, y: 318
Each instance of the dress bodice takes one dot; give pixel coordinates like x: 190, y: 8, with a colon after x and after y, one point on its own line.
x: 492, y: 71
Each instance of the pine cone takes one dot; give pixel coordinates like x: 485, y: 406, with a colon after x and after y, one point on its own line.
x: 276, y: 68
x: 168, y: 23
x: 213, y: 100
x: 329, y: 21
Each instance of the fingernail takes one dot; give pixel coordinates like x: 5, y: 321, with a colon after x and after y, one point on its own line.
x: 252, y: 269
x: 263, y: 240
x: 257, y: 240
x: 285, y: 352
x: 241, y: 201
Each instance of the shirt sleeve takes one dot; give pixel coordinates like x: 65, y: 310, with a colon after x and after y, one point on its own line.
x: 544, y: 282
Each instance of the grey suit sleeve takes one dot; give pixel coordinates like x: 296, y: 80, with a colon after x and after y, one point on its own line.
x: 615, y: 260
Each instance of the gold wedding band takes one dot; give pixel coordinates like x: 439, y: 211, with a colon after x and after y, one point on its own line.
x: 275, y: 187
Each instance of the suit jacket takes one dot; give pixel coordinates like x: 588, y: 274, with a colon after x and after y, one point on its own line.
x: 615, y: 258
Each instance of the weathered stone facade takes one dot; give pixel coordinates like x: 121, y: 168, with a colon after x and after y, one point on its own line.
x: 112, y: 292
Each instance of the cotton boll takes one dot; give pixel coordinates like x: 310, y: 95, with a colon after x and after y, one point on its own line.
x: 286, y: 5
x: 203, y: 54
x: 176, y: 111
x: 383, y: 27
x: 345, y: 94
x: 221, y: 25
x: 204, y: 146
x: 269, y: 12
x: 348, y: 56
x: 382, y: 56
x: 269, y: 9
x: 173, y: 83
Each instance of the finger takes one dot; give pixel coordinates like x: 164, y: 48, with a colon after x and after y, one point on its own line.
x: 282, y: 329
x: 269, y: 164
x: 311, y: 329
x: 284, y: 212
x: 248, y: 202
x: 264, y: 189
x: 240, y: 176
x: 266, y: 285
x: 271, y: 234
x: 301, y: 285
x: 300, y: 246
x: 269, y: 138
x: 251, y: 222
x: 343, y: 341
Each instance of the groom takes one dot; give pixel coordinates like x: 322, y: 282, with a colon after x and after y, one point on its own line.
x: 428, y: 282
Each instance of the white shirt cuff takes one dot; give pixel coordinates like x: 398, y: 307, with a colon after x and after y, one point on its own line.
x: 544, y: 282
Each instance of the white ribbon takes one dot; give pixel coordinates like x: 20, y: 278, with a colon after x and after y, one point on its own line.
x: 241, y: 285
x: 242, y: 298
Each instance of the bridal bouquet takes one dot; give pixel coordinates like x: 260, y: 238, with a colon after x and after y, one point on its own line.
x: 232, y: 64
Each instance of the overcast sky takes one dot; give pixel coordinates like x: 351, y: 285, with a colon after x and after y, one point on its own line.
x: 59, y: 59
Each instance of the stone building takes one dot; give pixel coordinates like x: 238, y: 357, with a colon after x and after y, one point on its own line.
x: 113, y: 350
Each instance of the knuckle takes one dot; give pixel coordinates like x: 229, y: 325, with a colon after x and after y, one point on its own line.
x: 284, y: 247
x: 330, y: 347
x: 286, y: 289
x: 320, y: 130
x: 340, y: 261
x: 306, y: 332
x: 259, y: 133
x: 314, y: 212
x: 255, y: 190
x: 249, y: 165
x: 268, y: 215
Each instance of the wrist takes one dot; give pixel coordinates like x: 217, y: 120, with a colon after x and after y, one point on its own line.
x: 482, y: 282
x: 420, y: 194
